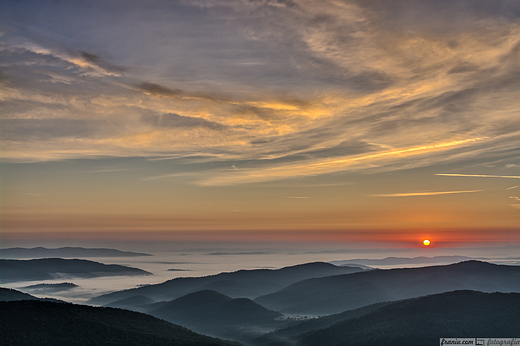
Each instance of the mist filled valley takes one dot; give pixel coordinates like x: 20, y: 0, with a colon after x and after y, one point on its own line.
x: 252, y: 296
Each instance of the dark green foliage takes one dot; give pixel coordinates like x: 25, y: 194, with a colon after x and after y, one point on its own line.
x: 338, y: 293
x: 423, y: 321
x: 27, y: 323
x: 52, y: 268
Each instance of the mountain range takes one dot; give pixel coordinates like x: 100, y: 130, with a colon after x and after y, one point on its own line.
x: 239, y: 284
x: 334, y: 294
x: 411, y: 322
x: 65, y: 252
x: 403, y: 260
x: 53, y: 268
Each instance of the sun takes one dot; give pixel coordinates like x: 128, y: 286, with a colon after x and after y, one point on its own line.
x: 426, y: 242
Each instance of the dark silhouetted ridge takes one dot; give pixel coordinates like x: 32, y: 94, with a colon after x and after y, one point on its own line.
x: 56, y: 324
x: 215, y: 314
x: 8, y: 294
x: 423, y: 321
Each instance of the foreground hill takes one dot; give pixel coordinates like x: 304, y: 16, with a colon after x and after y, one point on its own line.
x: 242, y: 283
x: 67, y: 252
x: 212, y: 313
x: 40, y: 323
x: 423, y: 321
x: 334, y: 294
x: 54, y: 268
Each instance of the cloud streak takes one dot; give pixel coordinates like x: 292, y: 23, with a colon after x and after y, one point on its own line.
x: 479, y: 175
x: 430, y: 193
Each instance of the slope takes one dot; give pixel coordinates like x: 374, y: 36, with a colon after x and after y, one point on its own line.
x: 242, y: 283
x: 334, y: 294
x: 215, y: 314
x: 423, y: 321
x: 44, y: 323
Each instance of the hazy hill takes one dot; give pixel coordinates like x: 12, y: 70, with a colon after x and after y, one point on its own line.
x: 67, y: 252
x: 242, y: 283
x: 50, y: 288
x: 423, y: 321
x: 8, y: 295
x: 215, y: 314
x: 136, y: 303
x: 54, y: 268
x: 403, y: 260
x: 287, y: 335
x: 333, y: 294
x: 45, y: 323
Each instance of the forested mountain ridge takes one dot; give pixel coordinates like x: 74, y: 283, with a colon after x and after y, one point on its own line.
x: 32, y: 322
x: 334, y: 294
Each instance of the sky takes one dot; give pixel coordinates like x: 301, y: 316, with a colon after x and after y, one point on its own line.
x: 349, y: 122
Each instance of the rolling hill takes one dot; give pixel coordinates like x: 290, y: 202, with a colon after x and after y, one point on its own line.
x: 423, y: 321
x: 212, y: 313
x: 56, y: 268
x: 242, y: 283
x: 33, y: 322
x: 334, y: 294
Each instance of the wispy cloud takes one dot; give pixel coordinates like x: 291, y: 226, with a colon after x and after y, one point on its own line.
x: 479, y: 176
x: 284, y: 89
x: 31, y: 194
x: 427, y: 193
x: 298, y: 197
x: 513, y: 187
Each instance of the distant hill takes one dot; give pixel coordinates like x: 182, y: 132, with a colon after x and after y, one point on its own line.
x: 55, y: 268
x: 65, y: 252
x: 333, y: 294
x: 242, y: 283
x: 423, y: 321
x: 8, y: 295
x: 212, y: 313
x: 135, y: 303
x: 50, y: 288
x: 45, y: 323
x: 285, y: 336
x: 403, y: 260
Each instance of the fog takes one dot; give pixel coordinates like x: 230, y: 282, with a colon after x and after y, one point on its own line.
x: 203, y: 259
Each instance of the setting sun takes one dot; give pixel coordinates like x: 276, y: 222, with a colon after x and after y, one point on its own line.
x: 426, y: 242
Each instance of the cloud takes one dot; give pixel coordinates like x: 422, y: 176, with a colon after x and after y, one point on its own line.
x: 284, y: 89
x: 172, y: 120
x: 430, y: 193
x: 479, y: 175
x: 298, y: 197
x: 46, y: 129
